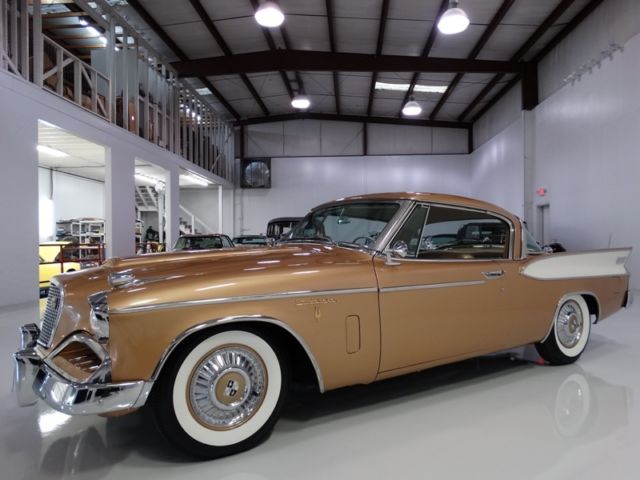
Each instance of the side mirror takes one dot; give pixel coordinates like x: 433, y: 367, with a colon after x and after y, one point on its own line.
x: 398, y: 250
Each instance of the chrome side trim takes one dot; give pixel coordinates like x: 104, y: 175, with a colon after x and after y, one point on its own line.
x: 564, y: 299
x: 244, y: 298
x: 239, y: 319
x: 407, y: 288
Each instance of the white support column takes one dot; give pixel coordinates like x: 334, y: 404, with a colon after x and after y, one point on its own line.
x: 172, y: 206
x: 219, y: 208
x: 119, y: 200
x: 18, y: 203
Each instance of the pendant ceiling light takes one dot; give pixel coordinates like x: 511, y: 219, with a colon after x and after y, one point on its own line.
x: 269, y: 15
x: 411, y: 108
x: 301, y: 102
x: 454, y: 20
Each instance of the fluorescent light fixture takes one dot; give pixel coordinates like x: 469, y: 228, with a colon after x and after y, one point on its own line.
x: 103, y: 39
x: 300, y: 102
x: 196, y: 179
x: 411, y: 108
x: 83, y: 22
x: 93, y: 31
x: 203, y: 91
x: 403, y: 87
x: 454, y: 20
x: 51, y: 151
x: 269, y: 15
x: 149, y: 179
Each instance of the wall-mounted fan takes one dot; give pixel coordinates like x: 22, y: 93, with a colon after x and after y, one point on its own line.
x: 255, y: 173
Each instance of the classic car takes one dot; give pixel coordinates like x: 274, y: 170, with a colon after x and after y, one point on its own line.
x: 210, y: 341
x: 277, y: 227
x: 54, y: 259
x: 250, y: 241
x: 202, y: 242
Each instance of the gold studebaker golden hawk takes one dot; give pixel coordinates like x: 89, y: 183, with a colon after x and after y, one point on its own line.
x: 362, y: 289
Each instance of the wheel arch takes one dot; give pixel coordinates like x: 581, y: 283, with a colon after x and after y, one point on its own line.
x: 590, y: 298
x: 296, y: 346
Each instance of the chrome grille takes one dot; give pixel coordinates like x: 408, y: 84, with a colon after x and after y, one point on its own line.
x: 51, y: 315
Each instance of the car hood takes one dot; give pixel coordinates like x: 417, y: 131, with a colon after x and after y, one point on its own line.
x: 166, y: 278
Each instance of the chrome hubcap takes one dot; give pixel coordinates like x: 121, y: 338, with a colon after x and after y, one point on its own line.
x: 227, y: 387
x: 570, y: 324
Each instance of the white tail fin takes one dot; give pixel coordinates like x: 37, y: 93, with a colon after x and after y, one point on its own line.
x: 601, y: 263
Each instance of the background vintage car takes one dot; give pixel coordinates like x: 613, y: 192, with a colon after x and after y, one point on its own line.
x: 354, y: 294
x: 54, y: 260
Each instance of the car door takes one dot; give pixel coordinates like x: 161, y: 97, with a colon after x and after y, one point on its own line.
x: 443, y: 299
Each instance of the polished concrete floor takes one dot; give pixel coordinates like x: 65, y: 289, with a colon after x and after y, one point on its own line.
x: 494, y: 417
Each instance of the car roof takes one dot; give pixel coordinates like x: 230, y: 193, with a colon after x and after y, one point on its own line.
x: 441, y: 198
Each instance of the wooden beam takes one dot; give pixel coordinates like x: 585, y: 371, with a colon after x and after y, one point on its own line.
x: 384, y: 14
x: 178, y: 52
x: 204, y: 16
x: 304, y: 60
x: 486, y: 35
x: 522, y: 51
x: 352, y: 118
x: 425, y: 52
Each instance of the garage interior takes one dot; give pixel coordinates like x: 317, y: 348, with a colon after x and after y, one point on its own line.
x: 138, y: 114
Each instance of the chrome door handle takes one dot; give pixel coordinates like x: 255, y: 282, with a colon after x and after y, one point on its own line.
x: 493, y: 274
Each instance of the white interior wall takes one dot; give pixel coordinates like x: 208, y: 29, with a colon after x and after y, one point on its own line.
x: 203, y: 203
x: 72, y: 197
x: 580, y: 143
x: 497, y: 169
x: 22, y: 104
x: 298, y: 184
x: 315, y: 138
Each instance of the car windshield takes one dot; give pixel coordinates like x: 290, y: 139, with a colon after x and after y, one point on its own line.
x: 250, y: 240
x: 198, y: 243
x: 349, y: 224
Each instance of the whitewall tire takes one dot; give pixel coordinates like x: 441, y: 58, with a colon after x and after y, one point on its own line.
x: 569, y: 333
x: 221, y: 394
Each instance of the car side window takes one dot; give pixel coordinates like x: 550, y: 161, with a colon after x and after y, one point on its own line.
x: 226, y: 242
x: 448, y: 233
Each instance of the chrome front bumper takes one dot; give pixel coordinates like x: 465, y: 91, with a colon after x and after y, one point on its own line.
x: 34, y: 378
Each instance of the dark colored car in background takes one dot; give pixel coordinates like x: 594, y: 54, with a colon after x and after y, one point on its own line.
x: 278, y: 227
x: 202, y: 242
x: 250, y: 241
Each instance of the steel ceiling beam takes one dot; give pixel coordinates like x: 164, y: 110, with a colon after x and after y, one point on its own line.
x: 486, y: 35
x: 353, y: 118
x: 332, y: 43
x: 519, y: 55
x: 425, y: 52
x: 272, y: 47
x: 305, y: 60
x: 384, y: 13
x: 561, y: 35
x: 204, y: 16
x: 178, y: 52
